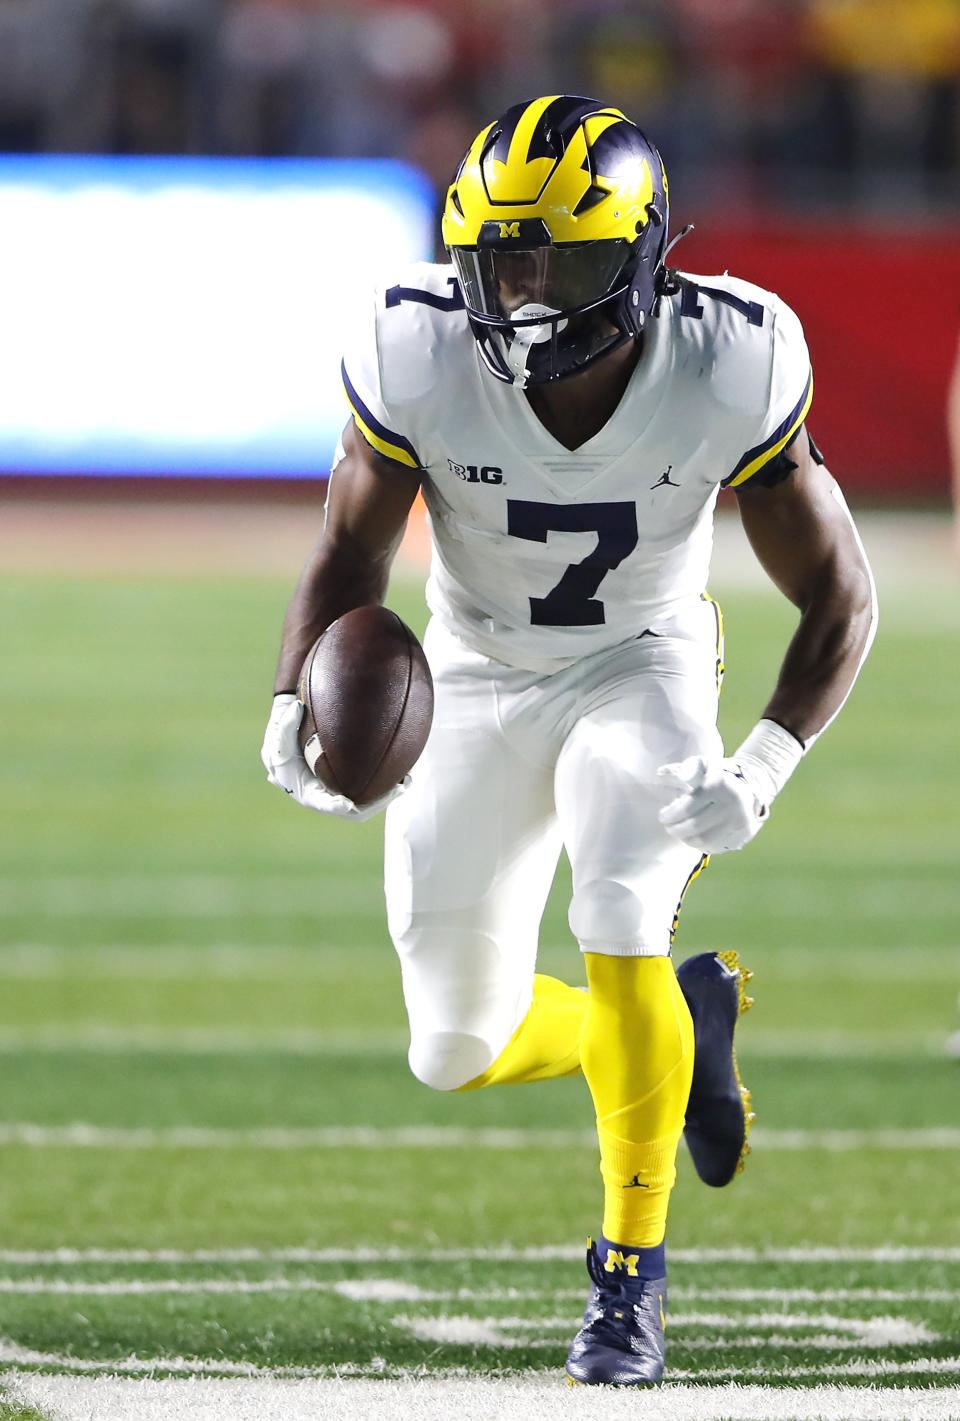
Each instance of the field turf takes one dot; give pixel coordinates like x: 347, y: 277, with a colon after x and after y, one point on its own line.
x: 219, y: 1180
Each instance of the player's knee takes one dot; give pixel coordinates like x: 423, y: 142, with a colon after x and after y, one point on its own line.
x: 605, y: 914
x: 447, y: 1060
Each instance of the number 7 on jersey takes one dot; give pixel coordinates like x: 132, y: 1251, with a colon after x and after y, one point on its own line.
x: 573, y: 603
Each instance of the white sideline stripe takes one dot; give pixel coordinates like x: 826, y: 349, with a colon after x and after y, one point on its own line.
x: 84, y: 1136
x: 65, y: 1398
x: 545, y: 1253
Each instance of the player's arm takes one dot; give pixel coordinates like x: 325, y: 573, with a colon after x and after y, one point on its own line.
x: 805, y: 539
x: 368, y: 501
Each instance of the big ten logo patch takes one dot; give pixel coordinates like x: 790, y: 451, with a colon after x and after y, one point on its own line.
x: 476, y: 473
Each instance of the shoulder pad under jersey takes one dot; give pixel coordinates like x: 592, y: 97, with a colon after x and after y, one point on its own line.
x: 395, y: 366
x: 752, y: 345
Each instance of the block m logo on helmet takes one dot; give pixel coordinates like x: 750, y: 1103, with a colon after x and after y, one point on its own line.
x: 509, y: 229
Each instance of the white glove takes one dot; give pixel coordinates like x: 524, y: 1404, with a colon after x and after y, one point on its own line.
x: 723, y: 803
x: 288, y: 770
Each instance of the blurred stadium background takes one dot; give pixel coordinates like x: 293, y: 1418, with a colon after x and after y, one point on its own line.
x: 216, y: 1166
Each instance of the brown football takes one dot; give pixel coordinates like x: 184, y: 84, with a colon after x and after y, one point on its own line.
x: 368, y: 703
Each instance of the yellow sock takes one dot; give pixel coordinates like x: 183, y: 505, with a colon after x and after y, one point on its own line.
x: 546, y: 1043
x: 637, y: 1056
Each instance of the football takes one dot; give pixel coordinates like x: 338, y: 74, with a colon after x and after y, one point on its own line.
x: 367, y: 694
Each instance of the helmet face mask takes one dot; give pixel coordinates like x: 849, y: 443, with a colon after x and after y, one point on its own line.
x: 572, y: 278
x: 541, y: 313
x: 556, y: 223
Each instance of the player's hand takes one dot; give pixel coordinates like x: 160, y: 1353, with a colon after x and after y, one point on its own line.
x: 719, y: 806
x: 288, y: 770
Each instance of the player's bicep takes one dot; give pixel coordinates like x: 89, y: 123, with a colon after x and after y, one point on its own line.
x: 369, y: 498
x: 799, y: 526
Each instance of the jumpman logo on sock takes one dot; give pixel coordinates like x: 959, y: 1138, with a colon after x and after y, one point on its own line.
x: 635, y: 1183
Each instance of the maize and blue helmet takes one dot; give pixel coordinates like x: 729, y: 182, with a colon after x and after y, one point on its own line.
x: 556, y: 223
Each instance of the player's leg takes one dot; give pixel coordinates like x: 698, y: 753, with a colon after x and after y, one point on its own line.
x: 654, y: 700
x: 471, y: 850
x: 546, y: 1044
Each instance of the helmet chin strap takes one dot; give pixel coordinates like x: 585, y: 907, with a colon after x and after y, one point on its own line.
x: 520, y: 345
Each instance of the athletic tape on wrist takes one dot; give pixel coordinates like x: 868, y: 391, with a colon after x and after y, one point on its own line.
x: 774, y: 752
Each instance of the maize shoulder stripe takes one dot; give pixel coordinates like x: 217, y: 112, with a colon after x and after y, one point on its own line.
x: 386, y: 443
x: 755, y: 458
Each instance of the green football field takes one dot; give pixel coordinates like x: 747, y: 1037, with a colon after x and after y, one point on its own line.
x: 223, y: 1194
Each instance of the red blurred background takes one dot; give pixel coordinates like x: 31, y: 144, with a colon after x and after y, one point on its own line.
x: 882, y: 318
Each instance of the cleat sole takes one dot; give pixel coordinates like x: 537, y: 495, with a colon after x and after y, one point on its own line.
x: 731, y: 960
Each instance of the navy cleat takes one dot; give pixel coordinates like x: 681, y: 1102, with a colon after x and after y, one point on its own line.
x: 718, y: 1111
x: 621, y: 1342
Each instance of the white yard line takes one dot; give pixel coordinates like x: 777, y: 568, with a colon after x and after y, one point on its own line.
x: 178, y: 895
x: 229, y: 962
x: 814, y: 1295
x: 86, y: 1136
x: 145, y: 1287
x: 173, y: 896
x: 101, y: 899
x: 235, y: 961
x: 396, y: 1290
x: 12, y: 1354
x: 387, y: 1290
x: 442, y: 1331
x: 868, y: 1367
x: 836, y: 1334
x: 469, y: 1399
x: 870, y: 1331
x: 107, y: 1036
x: 935, y: 1138
x: 813, y: 1253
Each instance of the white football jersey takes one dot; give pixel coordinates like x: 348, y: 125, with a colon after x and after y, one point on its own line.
x: 543, y: 554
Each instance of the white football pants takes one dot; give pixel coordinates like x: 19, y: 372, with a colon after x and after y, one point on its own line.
x: 517, y: 764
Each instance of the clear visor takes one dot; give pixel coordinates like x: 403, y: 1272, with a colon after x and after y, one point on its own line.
x: 499, y: 283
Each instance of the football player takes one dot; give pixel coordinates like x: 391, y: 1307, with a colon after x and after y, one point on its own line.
x: 569, y: 406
